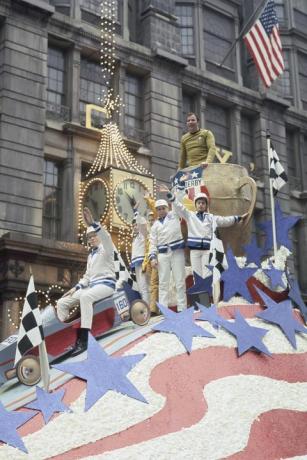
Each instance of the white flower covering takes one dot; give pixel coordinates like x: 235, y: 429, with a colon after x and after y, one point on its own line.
x: 213, y: 437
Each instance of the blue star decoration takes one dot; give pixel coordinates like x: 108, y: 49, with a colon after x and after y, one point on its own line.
x: 253, y: 252
x: 48, y: 403
x: 182, y: 325
x: 201, y: 285
x: 103, y: 373
x: 209, y: 314
x: 248, y: 337
x: 296, y: 297
x: 281, y: 314
x: 275, y: 276
x: 283, y: 225
x: 9, y: 422
x: 235, y: 279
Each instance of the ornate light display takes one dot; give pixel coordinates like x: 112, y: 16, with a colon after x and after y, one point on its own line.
x: 44, y: 299
x: 112, y: 151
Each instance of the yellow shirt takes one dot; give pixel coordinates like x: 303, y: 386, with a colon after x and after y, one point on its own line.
x: 196, y: 148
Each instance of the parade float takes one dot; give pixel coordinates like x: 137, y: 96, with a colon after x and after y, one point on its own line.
x: 226, y: 381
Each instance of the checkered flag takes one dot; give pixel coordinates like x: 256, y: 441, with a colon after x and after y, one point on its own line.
x: 121, y: 272
x: 31, y: 331
x: 277, y: 172
x: 217, y: 256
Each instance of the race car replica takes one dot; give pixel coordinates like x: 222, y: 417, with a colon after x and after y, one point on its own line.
x: 60, y: 337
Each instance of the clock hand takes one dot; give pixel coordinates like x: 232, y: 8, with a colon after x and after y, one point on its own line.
x: 131, y: 200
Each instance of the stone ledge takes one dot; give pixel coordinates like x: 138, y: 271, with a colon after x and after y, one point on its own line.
x: 39, y: 4
x: 159, y: 52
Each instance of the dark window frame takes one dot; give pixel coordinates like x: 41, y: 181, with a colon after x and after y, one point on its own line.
x: 52, y: 201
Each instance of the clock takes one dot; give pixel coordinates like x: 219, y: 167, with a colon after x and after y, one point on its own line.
x: 127, y: 193
x: 96, y: 198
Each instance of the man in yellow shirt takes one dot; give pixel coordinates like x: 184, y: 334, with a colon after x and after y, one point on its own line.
x: 197, y: 145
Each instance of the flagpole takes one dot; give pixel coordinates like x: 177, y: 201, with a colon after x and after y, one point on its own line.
x: 251, y: 18
x: 268, y: 140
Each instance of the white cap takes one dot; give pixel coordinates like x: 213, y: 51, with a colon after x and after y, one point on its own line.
x: 161, y: 203
x: 90, y: 229
x: 201, y: 195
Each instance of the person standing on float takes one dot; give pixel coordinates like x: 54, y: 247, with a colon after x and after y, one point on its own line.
x: 197, y: 145
x: 166, y: 253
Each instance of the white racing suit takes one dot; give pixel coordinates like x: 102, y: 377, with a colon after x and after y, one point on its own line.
x: 167, y: 246
x: 97, y: 283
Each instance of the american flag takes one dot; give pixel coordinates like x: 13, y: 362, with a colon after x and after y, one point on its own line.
x: 264, y: 44
x: 277, y: 172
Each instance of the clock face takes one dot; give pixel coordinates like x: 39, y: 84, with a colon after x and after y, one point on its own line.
x: 126, y: 195
x: 96, y: 197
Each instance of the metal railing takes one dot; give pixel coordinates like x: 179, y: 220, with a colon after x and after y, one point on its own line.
x: 58, y: 112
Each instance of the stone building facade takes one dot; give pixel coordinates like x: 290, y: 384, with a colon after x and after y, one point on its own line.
x: 167, y: 63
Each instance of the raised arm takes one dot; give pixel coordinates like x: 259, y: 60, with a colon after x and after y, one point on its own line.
x: 102, y: 232
x: 178, y: 207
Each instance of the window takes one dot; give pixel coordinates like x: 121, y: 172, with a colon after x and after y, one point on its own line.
x: 62, y: 6
x: 300, y: 15
x: 217, y: 120
x: 219, y: 33
x: 280, y: 11
x: 91, y: 11
x: 188, y: 105
x: 247, y: 142
x: 302, y: 70
x: 51, y: 203
x: 185, y: 15
x: 283, y: 83
x: 56, y: 77
x: 92, y: 89
x: 133, y: 105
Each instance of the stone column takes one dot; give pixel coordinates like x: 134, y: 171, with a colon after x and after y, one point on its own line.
x: 235, y: 128
x: 23, y: 104
x: 199, y: 36
x: 75, y: 9
x: 202, y: 110
x: 159, y: 25
x: 73, y: 77
x: 121, y: 91
x: 238, y: 56
x: 69, y: 210
x: 125, y: 21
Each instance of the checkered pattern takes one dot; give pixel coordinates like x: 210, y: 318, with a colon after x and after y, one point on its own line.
x: 31, y: 332
x: 217, y: 257
x: 121, y: 272
x: 277, y: 172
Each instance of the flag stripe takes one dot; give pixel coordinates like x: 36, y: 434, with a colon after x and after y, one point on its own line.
x: 264, y: 45
x: 260, y: 63
x: 267, y: 51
